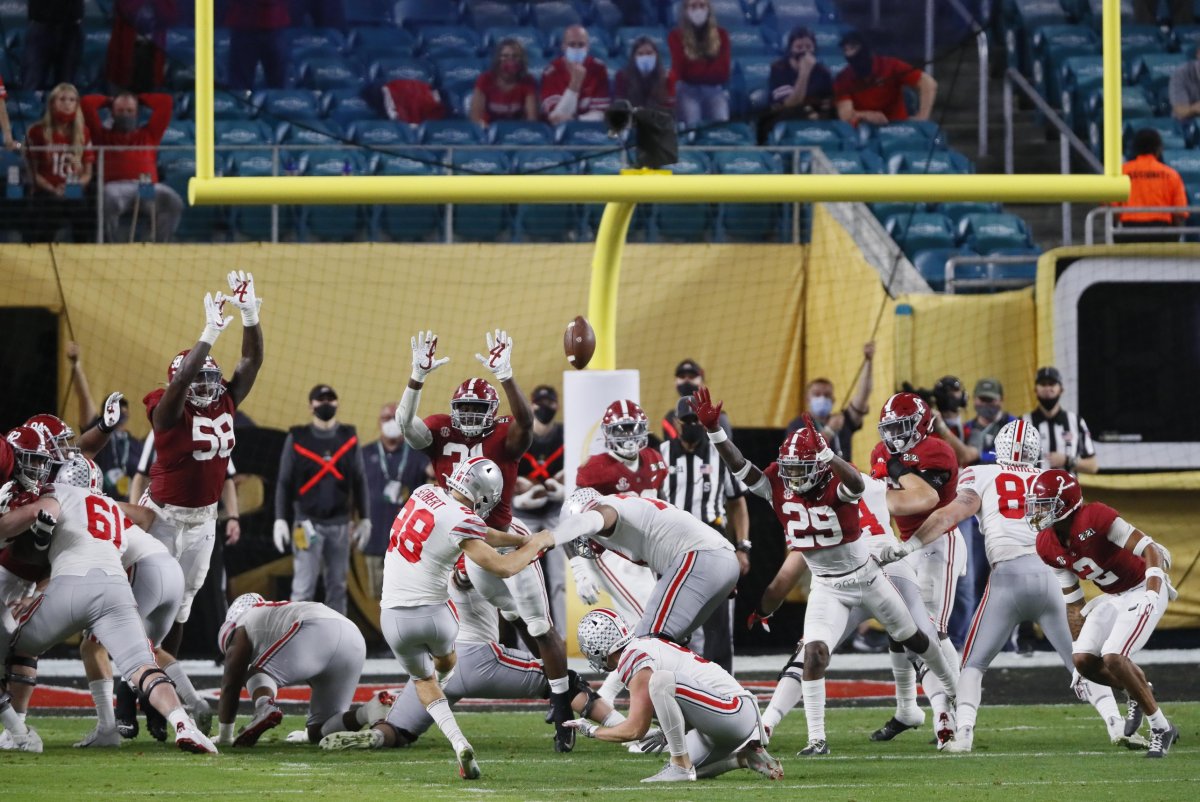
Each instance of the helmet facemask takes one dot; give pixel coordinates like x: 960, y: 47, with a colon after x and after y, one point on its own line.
x: 799, y: 475
x: 626, y: 438
x: 899, y: 434
x: 32, y: 468
x: 205, y: 389
x: 1041, y: 513
x: 472, y: 417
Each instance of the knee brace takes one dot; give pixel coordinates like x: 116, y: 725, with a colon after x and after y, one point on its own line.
x: 580, y: 685
x: 794, y: 667
x: 538, y: 627
x: 20, y: 660
x: 151, y: 678
x: 261, y: 680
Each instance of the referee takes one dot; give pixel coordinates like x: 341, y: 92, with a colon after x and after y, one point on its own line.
x: 699, y: 483
x: 1066, y: 441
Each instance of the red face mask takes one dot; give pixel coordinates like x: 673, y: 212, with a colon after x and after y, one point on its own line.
x: 64, y: 117
x: 510, y: 67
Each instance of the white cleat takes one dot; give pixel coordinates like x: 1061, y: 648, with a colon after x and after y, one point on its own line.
x: 340, y: 741
x: 964, y: 740
x: 189, y: 738
x: 671, y: 773
x: 946, y: 725
x: 1136, y: 742
x: 468, y: 769
x: 757, y: 760
x: 29, y: 742
x: 6, y: 741
x: 100, y: 738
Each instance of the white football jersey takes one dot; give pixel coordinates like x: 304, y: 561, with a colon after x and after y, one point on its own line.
x: 90, y: 533
x: 140, y: 544
x: 652, y: 532
x: 478, y: 618
x: 1001, y: 490
x: 874, y: 517
x: 692, y: 672
x: 425, y: 542
x: 273, y: 622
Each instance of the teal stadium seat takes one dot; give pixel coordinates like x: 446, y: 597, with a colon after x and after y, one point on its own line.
x: 233, y: 106
x: 314, y: 40
x: 518, y: 132
x: 884, y: 212
x: 928, y: 162
x: 1021, y: 19
x: 931, y: 264
x: 747, y: 222
x: 585, y: 133
x: 199, y: 223
x: 1186, y: 163
x: 683, y: 222
x: 413, y: 14
x: 788, y: 14
x: 1154, y: 70
x: 627, y: 34
x: 533, y: 40
x: 331, y: 72
x: 382, y: 134
x: 751, y: 84
x: 240, y: 133
x: 449, y: 133
x: 747, y: 40
x: 409, y: 223
x: 480, y: 223
x: 987, y: 233
x: 1053, y: 45
x: 605, y: 16
x: 254, y: 222
x: 288, y: 104
x: 829, y: 135
x: 922, y: 231
x: 340, y: 223
x: 488, y: 16
x: 1168, y: 128
x: 553, y: 15
x: 732, y: 134
x: 444, y: 41
x: 1078, y: 77
x: 458, y: 73
x: 957, y: 211
x: 909, y: 135
x: 552, y: 222
x: 379, y: 38
x: 348, y: 105
x: 178, y: 134
x: 313, y: 132
x: 403, y: 68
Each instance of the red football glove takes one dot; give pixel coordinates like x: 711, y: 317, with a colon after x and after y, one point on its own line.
x: 879, y: 469
x: 709, y: 415
x: 758, y: 618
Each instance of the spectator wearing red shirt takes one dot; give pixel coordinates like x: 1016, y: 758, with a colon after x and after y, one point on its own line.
x: 506, y: 91
x: 123, y: 169
x: 256, y: 34
x: 700, y: 61
x: 5, y: 125
x: 644, y: 80
x: 61, y: 160
x: 871, y: 88
x: 575, y: 85
x: 137, y: 56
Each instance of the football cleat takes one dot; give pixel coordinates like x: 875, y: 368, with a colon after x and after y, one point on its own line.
x: 6, y: 741
x: 126, y: 712
x: 100, y: 738
x: 1135, y: 742
x: 202, y: 715
x: 945, y: 728
x: 1160, y: 741
x: 757, y: 760
x: 1134, y: 715
x: 816, y: 746
x: 671, y: 773
x: 893, y: 727
x: 964, y: 740
x: 189, y: 738
x: 468, y: 769
x: 338, y: 741
x: 265, y: 717
x: 32, y: 742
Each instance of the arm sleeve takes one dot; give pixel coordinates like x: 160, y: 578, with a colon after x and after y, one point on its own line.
x: 847, y: 495
x: 1066, y: 579
x: 389, y: 102
x: 146, y: 458
x: 553, y: 84
x: 1086, y: 447
x: 577, y: 526
x: 1119, y: 532
x: 283, y: 482
x: 160, y: 113
x: 416, y: 433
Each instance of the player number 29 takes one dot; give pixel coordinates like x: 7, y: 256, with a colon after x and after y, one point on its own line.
x: 802, y: 521
x: 214, y: 434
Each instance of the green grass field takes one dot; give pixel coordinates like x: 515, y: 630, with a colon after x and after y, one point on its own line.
x: 1021, y: 753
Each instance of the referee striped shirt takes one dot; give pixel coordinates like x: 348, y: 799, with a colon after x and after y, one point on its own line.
x: 699, y: 482
x: 1066, y: 433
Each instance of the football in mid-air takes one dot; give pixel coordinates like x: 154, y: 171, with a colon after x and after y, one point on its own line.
x: 579, y: 342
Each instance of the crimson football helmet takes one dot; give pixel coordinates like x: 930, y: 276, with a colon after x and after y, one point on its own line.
x: 626, y: 429
x: 799, y: 467
x: 60, y: 438
x: 905, y: 421
x: 206, y: 388
x: 81, y: 472
x: 31, y: 457
x: 473, y: 407
x: 1054, y: 495
x: 1018, y: 443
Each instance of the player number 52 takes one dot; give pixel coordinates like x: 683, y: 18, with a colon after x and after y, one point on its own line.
x: 215, y: 434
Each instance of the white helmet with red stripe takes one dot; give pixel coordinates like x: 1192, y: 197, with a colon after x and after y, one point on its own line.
x: 82, y: 472
x: 480, y: 480
x: 602, y: 632
x: 1018, y: 443
x: 904, y: 421
x: 473, y: 407
x: 238, y: 608
x: 626, y: 428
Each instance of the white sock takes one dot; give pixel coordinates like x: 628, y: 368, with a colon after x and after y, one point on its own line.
x: 560, y: 685
x: 788, y: 692
x: 1101, y: 698
x: 13, y: 722
x: 953, y: 662
x: 906, y: 688
x: 666, y: 709
x: 611, y: 687
x: 814, y: 707
x: 360, y: 715
x: 1158, y: 721
x: 183, y: 685
x: 261, y: 702
x: 102, y: 696
x: 612, y: 719
x: 443, y: 716
x: 970, y: 694
x: 176, y: 716
x: 940, y: 660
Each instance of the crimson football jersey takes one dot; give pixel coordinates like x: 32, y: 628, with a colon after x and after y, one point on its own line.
x: 1091, y: 554
x: 193, y: 455
x: 609, y: 475
x: 934, y: 461
x: 450, y: 447
x: 6, y: 461
x: 813, y: 522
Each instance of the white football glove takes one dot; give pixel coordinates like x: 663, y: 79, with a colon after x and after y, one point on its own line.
x: 891, y: 554
x: 1147, y: 603
x: 7, y: 493
x: 825, y: 455
x: 241, y: 295
x: 584, y: 586
x: 1079, y: 685
x: 282, y: 534
x: 43, y: 529
x: 586, y: 728
x: 111, y: 414
x: 499, y: 358
x: 361, y: 534
x: 424, y: 355
x: 554, y: 490
x: 214, y: 323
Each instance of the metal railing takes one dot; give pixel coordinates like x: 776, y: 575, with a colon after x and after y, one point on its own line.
x: 1109, y: 212
x: 981, y: 46
x: 990, y: 263
x: 1067, y: 140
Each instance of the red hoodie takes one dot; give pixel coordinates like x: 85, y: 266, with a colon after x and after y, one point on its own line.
x: 128, y: 165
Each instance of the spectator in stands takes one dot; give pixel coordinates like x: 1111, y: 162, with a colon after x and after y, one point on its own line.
x: 61, y: 161
x: 1066, y: 441
x: 124, y: 170
x: 1184, y: 90
x: 5, y: 123
x: 412, y: 101
x: 319, y: 13
x: 801, y: 87
x: 644, y: 80
x: 979, y: 444
x: 53, y: 43
x: 137, y: 49
x: 1151, y: 184
x: 838, y: 427
x: 506, y: 91
x: 689, y: 376
x: 1179, y: 12
x: 256, y: 36
x: 871, y: 88
x: 575, y: 85
x: 700, y: 61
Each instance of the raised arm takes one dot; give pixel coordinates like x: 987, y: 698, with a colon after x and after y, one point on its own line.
x: 424, y: 362
x: 242, y: 296
x: 499, y: 362
x: 858, y: 403
x: 170, y: 409
x: 709, y: 414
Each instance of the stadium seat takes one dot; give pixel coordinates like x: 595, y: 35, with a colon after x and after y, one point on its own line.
x: 683, y: 222
x: 886, y: 211
x: 1019, y: 271
x: 552, y: 222
x: 747, y: 40
x: 313, y: 132
x: 747, y: 222
x: 724, y: 134
x: 751, y: 85
x: 480, y: 223
x: 412, y: 14
x: 379, y: 39
x: 179, y: 133
x: 441, y: 41
x: 1135, y: 104
x: 829, y: 135
x: 533, y: 40
x: 931, y: 264
x: 449, y: 133
x: 199, y: 223
x: 347, y: 105
x: 485, y: 17
x: 516, y: 132
x: 254, y: 222
x: 287, y: 104
x: 1078, y: 75
x: 326, y: 40
x: 921, y: 231
x: 368, y: 12
x: 410, y: 223
x: 606, y: 15
x: 847, y: 162
x: 401, y: 68
x: 338, y: 223
x: 1022, y: 17
x: 584, y: 133
x: 382, y: 133
x: 1186, y: 163
x: 1154, y: 70
x: 1138, y: 40
x: 626, y: 35
x: 1168, y: 128
x: 331, y: 73
x: 928, y: 162
x: 789, y: 14
x: 957, y: 211
x: 233, y: 106
x: 239, y: 133
x: 906, y: 135
x: 610, y: 162
x: 458, y: 74
x: 986, y: 233
x: 548, y: 16
x: 254, y: 163
x: 1052, y: 45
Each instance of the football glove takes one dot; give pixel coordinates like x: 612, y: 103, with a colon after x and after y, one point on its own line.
x: 110, y: 416
x: 757, y: 617
x: 241, y: 295
x: 1148, y: 603
x: 499, y: 358
x: 584, y: 586
x: 8, y: 492
x: 214, y: 323
x: 424, y: 355
x: 708, y: 414
x: 361, y: 535
x: 43, y: 528
x: 554, y: 490
x: 654, y: 742
x: 586, y: 728
x: 282, y: 534
x: 891, y: 554
x: 879, y: 469
x: 1079, y: 685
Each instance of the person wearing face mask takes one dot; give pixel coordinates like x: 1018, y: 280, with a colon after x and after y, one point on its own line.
x: 701, y: 61
x: 320, y: 480
x: 392, y: 470
x: 123, y: 169
x: 644, y: 80
x: 700, y: 483
x: 870, y: 88
x: 506, y: 91
x: 575, y: 85
x: 61, y: 161
x: 1066, y: 440
x: 801, y: 88
x: 838, y: 427
x: 689, y: 377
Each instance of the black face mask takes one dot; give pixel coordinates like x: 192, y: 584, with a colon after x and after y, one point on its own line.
x: 862, y: 61
x: 686, y: 388
x: 325, y: 412
x: 692, y: 433
x: 544, y: 414
x: 1048, y: 403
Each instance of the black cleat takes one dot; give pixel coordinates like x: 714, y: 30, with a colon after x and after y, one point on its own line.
x: 1134, y: 715
x: 564, y: 737
x: 126, y: 712
x: 891, y: 729
x: 1161, y: 741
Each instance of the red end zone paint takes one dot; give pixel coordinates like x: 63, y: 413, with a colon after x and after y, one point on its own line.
x: 53, y: 697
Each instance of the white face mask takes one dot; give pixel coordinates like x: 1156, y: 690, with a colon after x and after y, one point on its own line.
x: 698, y: 16
x: 576, y: 55
x: 390, y: 429
x: 645, y: 64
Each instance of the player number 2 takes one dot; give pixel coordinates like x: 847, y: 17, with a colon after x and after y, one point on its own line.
x: 410, y: 530
x: 215, y: 434
x: 1010, y: 489
x: 104, y: 520
x: 811, y: 528
x: 1087, y: 568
